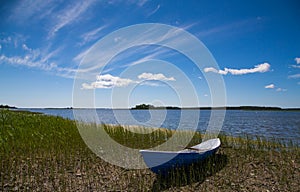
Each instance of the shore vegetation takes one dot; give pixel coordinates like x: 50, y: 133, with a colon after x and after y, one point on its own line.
x: 46, y: 153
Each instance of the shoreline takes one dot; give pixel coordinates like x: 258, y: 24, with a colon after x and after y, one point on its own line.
x: 151, y: 107
x: 194, y: 108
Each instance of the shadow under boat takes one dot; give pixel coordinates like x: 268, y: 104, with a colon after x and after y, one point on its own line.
x: 196, y: 172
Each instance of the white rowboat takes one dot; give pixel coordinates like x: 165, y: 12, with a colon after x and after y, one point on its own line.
x: 160, y: 161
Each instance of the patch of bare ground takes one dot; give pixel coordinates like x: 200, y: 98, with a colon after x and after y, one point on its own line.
x: 236, y: 171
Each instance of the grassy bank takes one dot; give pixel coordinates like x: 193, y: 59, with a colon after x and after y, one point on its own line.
x: 46, y: 153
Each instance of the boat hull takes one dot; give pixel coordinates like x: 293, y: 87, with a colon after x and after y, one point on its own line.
x: 161, y: 161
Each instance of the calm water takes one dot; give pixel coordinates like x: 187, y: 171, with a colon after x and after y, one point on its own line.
x: 270, y: 124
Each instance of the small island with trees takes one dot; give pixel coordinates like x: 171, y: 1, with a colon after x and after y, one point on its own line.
x: 7, y: 107
x: 148, y: 106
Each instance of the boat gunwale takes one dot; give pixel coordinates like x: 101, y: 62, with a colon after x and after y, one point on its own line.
x: 187, y: 151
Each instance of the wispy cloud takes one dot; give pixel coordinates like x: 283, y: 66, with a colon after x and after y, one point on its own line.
x: 69, y: 15
x: 81, y: 55
x: 229, y: 28
x: 156, y: 34
x: 281, y: 90
x: 6, y: 40
x: 91, y: 35
x: 35, y: 58
x: 297, y: 59
x: 47, y: 54
x: 271, y: 86
x: 152, y: 83
x: 15, y: 40
x: 141, y: 3
x: 153, y: 11
x: 158, y: 77
x: 30, y: 11
x: 40, y: 63
x: 295, y: 76
x: 24, y: 46
x: 26, y: 61
x: 146, y: 53
x: 261, y: 68
x: 296, y: 66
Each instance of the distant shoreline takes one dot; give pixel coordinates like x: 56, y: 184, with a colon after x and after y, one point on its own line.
x: 248, y: 108
x: 242, y: 108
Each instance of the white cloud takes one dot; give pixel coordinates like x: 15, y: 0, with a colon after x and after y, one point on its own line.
x: 261, y: 68
x: 107, y: 81
x: 271, y: 86
x: 224, y: 72
x: 158, y: 76
x: 210, y: 69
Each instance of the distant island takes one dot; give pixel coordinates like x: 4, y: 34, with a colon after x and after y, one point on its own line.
x: 246, y: 108
x: 7, y: 107
x: 147, y: 106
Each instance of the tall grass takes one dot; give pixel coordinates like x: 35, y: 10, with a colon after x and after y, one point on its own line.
x: 143, y: 138
x: 47, y: 153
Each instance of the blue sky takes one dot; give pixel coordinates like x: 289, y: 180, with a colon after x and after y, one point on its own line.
x: 256, y: 45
